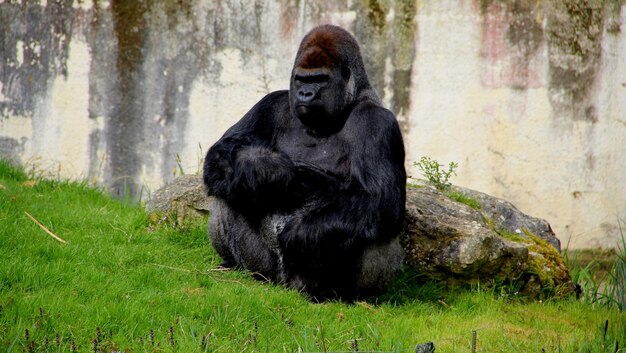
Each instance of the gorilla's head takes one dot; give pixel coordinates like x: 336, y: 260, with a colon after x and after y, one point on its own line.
x: 327, y: 77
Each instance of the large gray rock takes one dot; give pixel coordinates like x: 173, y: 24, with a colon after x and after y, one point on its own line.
x: 183, y: 199
x: 442, y: 238
x: 493, y: 242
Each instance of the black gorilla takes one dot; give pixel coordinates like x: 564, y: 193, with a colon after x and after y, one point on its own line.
x: 309, y: 185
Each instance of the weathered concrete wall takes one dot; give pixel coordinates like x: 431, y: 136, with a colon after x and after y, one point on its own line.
x: 529, y: 97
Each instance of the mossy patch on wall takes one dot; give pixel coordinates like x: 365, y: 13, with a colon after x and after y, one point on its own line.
x: 574, y: 35
x: 387, y: 31
x: 34, y: 48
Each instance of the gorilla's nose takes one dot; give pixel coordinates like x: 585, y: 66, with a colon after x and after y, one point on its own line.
x: 306, y: 94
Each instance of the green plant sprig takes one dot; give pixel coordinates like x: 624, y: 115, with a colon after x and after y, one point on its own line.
x: 435, y: 173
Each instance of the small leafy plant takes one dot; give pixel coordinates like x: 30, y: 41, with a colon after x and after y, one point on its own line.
x: 435, y: 173
x: 440, y: 178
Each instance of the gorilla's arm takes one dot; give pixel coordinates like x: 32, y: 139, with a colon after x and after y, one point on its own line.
x: 377, y: 171
x: 369, y: 206
x: 242, y: 168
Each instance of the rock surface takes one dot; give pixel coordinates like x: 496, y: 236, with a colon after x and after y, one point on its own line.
x: 495, y: 242
x: 181, y: 200
x: 492, y: 242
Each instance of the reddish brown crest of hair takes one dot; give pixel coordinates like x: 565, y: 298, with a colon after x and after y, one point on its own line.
x: 320, y: 49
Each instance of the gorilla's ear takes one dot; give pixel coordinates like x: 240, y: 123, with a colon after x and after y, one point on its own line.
x: 346, y: 73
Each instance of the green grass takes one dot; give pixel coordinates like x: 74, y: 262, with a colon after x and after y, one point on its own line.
x: 601, y: 273
x: 462, y: 198
x: 120, y: 284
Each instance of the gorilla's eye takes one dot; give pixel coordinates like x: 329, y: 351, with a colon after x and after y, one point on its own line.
x: 314, y: 78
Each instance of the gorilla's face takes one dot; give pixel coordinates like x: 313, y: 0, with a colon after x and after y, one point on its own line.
x: 324, y: 79
x: 319, y: 96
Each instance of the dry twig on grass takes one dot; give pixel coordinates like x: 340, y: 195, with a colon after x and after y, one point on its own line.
x: 45, y: 229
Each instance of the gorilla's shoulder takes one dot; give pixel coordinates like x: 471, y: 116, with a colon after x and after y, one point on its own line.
x: 280, y: 94
x: 372, y: 114
x: 272, y: 106
x: 275, y: 98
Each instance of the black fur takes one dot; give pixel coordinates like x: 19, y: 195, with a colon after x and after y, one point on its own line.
x: 310, y: 183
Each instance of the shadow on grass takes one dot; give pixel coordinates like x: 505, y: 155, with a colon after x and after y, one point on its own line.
x: 409, y: 286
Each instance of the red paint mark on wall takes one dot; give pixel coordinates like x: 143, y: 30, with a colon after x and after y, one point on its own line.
x: 511, y: 46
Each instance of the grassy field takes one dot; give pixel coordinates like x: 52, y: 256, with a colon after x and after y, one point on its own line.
x: 120, y: 284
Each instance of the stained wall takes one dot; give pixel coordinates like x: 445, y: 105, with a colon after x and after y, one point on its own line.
x: 529, y: 97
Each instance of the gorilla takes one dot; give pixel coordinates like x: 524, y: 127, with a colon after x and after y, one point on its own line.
x: 309, y: 186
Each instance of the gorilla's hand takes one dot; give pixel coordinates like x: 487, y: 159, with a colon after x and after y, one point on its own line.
x: 311, y: 180
x: 259, y: 169
x: 310, y: 170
